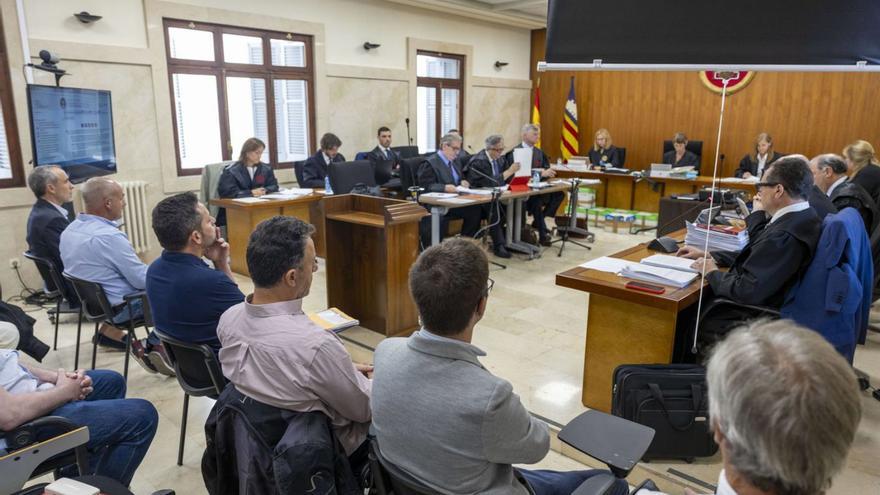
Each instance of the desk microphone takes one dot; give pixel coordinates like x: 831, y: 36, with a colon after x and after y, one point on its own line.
x: 484, y: 175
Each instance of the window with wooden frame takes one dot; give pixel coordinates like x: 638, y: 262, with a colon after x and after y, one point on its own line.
x: 439, y: 92
x: 228, y: 84
x: 11, y: 168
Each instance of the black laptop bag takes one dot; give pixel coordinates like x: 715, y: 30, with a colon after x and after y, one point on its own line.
x: 671, y: 399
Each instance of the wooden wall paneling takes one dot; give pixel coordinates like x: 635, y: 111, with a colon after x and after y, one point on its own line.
x: 808, y: 113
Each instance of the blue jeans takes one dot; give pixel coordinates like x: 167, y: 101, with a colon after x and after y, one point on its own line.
x: 131, y: 311
x: 120, y: 429
x: 545, y: 482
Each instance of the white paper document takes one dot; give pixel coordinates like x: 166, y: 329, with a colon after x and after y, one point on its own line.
x: 608, y: 264
x: 439, y: 195
x: 486, y: 192
x: 667, y: 261
x: 657, y: 275
x: 523, y: 156
x: 250, y: 200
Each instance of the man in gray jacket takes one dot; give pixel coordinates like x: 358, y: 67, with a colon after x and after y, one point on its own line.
x: 439, y: 416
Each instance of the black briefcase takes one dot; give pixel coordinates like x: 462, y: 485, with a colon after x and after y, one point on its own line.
x: 671, y: 399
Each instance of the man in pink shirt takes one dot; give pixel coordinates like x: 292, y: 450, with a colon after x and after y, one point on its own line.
x: 273, y: 353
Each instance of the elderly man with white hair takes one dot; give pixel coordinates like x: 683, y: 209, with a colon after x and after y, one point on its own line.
x: 784, y: 407
x: 94, y: 249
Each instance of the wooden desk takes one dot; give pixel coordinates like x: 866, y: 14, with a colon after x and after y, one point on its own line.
x: 242, y: 219
x: 624, y: 326
x: 626, y: 192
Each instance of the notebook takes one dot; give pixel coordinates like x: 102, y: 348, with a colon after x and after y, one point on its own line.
x: 657, y: 275
x: 667, y: 261
x: 333, y: 320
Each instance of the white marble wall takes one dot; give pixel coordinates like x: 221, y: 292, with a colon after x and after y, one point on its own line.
x: 496, y: 110
x: 358, y: 107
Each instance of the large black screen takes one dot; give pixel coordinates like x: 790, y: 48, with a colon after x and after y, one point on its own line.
x: 73, y: 128
x: 714, y: 33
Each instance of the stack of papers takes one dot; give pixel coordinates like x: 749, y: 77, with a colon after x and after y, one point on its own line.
x: 721, y: 238
x: 250, y: 200
x: 333, y: 320
x: 671, y: 262
x: 437, y: 195
x: 486, y: 191
x: 738, y: 180
x: 608, y: 264
x: 657, y: 275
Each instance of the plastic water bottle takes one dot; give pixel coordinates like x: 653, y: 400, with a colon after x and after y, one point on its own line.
x: 327, y: 188
x: 536, y: 176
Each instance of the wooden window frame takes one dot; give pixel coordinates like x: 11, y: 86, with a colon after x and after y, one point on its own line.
x: 440, y: 83
x: 221, y: 69
x: 16, y: 165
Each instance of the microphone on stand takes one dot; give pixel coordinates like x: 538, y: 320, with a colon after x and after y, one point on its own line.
x: 408, y: 136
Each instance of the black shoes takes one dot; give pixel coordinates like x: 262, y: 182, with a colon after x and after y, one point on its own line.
x: 501, y: 251
x: 108, y: 343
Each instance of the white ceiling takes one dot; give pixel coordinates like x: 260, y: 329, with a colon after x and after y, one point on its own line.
x: 530, y: 14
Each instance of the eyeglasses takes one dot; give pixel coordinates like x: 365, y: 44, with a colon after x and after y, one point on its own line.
x: 759, y: 185
x: 489, y: 284
x: 499, y: 150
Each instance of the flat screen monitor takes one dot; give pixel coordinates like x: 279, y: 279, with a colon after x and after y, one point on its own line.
x: 73, y: 128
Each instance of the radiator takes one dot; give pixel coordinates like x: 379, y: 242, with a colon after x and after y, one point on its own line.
x: 135, y: 215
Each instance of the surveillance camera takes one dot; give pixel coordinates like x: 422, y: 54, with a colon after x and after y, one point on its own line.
x: 49, y: 58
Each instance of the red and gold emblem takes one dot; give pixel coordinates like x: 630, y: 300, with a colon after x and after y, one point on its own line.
x: 737, y: 80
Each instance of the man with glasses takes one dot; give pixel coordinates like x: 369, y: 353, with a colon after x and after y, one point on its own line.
x: 783, y: 234
x: 490, y: 168
x: 440, y: 172
x: 439, y: 415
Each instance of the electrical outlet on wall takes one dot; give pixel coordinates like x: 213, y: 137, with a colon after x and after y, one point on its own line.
x: 14, y: 263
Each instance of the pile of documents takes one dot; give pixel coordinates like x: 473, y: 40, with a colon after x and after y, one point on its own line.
x: 721, y: 237
x: 333, y: 320
x: 658, y: 275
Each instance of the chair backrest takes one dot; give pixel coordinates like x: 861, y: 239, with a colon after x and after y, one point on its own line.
x: 50, y: 275
x: 406, y: 151
x: 35, y: 459
x: 695, y: 147
x: 362, y: 155
x: 197, y: 368
x: 621, y: 153
x: 390, y: 481
x: 409, y: 169
x: 95, y: 305
x: 210, y: 179
x: 382, y: 171
x: 298, y: 171
x: 345, y: 175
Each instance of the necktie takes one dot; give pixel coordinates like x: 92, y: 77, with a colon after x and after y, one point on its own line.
x: 494, y: 167
x: 385, y: 154
x: 454, y: 173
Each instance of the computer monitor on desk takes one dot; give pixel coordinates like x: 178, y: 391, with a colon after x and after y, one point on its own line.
x: 345, y: 175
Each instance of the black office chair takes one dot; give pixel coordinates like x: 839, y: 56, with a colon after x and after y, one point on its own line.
x: 30, y: 457
x: 695, y: 147
x: 96, y: 308
x: 198, y: 373
x: 62, y: 306
x: 406, y: 151
x: 409, y: 169
x: 621, y: 153
x: 298, y: 171
x: 382, y: 172
x: 344, y: 176
x: 362, y: 155
x: 386, y: 483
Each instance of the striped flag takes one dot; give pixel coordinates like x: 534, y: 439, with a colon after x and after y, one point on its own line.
x: 536, y: 111
x: 569, y: 144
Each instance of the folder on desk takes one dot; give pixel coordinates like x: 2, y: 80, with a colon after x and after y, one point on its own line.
x: 657, y: 275
x: 671, y: 262
x: 333, y: 320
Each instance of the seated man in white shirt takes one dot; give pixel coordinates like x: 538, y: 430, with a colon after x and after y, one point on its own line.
x: 785, y: 435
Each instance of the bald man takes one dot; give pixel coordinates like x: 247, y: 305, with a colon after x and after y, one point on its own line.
x: 94, y: 249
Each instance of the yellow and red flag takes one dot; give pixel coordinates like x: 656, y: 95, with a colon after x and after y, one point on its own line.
x: 569, y: 144
x: 536, y: 111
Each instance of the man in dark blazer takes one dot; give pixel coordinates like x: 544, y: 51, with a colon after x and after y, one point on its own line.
x: 441, y: 173
x: 383, y: 152
x: 49, y: 218
x: 829, y: 173
x: 490, y: 168
x: 541, y: 205
x: 315, y: 169
x: 778, y: 250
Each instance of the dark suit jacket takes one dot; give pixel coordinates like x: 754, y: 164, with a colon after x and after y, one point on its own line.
x: 777, y: 252
x: 688, y: 160
x: 375, y: 155
x: 869, y: 178
x: 820, y: 202
x: 480, y: 166
x: 852, y: 195
x: 235, y: 182
x: 539, y: 159
x: 434, y: 175
x: 44, y: 227
x: 612, y: 157
x: 751, y: 166
x: 315, y: 169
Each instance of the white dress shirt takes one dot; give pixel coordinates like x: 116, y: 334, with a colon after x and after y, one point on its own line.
x: 834, y: 186
x: 793, y: 208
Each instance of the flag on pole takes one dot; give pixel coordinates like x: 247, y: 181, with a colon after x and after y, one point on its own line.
x: 536, y: 110
x: 569, y: 144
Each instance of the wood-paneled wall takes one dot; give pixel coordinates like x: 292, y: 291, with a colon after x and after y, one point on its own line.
x: 808, y: 113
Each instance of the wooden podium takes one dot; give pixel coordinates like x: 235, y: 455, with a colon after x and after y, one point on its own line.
x: 242, y: 219
x: 371, y: 244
